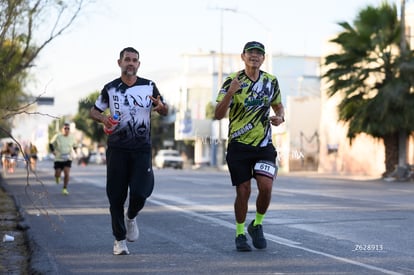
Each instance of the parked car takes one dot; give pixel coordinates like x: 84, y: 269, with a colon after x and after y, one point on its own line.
x: 169, y: 158
x: 97, y: 158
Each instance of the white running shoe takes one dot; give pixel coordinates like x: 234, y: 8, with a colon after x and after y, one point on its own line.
x: 120, y: 248
x: 132, y: 232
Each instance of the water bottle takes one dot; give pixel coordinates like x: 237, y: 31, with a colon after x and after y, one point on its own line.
x: 114, y: 121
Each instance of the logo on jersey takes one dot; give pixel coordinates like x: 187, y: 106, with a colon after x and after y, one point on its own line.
x: 250, y: 102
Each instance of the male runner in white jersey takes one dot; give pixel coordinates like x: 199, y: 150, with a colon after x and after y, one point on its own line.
x: 250, y: 93
x: 62, y: 145
x: 128, y: 155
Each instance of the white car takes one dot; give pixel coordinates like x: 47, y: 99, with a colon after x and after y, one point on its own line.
x: 97, y: 157
x: 169, y: 158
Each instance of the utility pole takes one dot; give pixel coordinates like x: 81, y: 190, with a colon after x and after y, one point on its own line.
x: 220, y: 155
x: 221, y: 142
x: 402, y: 137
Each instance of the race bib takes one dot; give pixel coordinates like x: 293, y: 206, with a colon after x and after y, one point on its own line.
x: 65, y: 156
x: 264, y: 168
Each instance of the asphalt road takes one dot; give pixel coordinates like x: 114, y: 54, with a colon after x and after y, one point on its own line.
x: 314, y: 226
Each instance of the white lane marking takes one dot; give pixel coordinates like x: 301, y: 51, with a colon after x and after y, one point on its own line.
x: 270, y: 237
x: 208, y: 218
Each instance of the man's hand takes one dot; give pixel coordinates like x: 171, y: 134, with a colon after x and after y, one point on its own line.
x: 276, y: 120
x: 159, y: 106
x: 106, y: 122
x: 235, y: 85
x: 223, y: 105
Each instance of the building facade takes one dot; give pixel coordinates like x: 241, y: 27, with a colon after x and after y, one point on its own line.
x: 299, y: 80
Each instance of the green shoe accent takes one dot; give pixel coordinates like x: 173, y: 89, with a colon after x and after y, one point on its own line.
x: 57, y: 179
x: 65, y: 192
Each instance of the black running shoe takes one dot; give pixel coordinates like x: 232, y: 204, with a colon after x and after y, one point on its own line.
x: 241, y: 243
x: 256, y: 232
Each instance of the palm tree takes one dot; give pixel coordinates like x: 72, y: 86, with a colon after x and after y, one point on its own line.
x: 376, y: 97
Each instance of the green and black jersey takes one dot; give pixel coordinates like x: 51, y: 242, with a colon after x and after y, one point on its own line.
x: 250, y: 108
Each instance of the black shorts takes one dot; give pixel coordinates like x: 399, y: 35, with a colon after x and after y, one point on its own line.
x: 62, y: 164
x: 245, y: 162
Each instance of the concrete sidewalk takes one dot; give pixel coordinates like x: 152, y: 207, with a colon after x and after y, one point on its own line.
x: 15, y: 255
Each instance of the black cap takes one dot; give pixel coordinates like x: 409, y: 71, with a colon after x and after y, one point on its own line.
x: 254, y: 45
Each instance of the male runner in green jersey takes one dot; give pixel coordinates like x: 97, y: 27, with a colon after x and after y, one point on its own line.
x: 250, y: 93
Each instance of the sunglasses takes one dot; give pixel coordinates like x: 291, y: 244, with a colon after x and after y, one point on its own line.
x: 66, y: 128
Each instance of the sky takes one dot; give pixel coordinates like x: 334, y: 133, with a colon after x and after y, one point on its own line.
x: 84, y: 58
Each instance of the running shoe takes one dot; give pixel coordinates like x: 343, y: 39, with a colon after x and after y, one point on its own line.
x: 132, y: 232
x: 120, y: 248
x: 57, y: 180
x: 241, y: 243
x: 256, y: 232
x: 65, y: 192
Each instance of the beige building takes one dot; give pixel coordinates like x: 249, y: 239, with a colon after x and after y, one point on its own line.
x: 300, y: 85
x: 366, y: 155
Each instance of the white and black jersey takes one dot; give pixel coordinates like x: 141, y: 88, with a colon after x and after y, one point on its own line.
x: 133, y: 106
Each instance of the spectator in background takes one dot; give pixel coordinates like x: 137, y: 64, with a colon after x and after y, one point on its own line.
x: 33, y: 156
x: 7, y: 159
